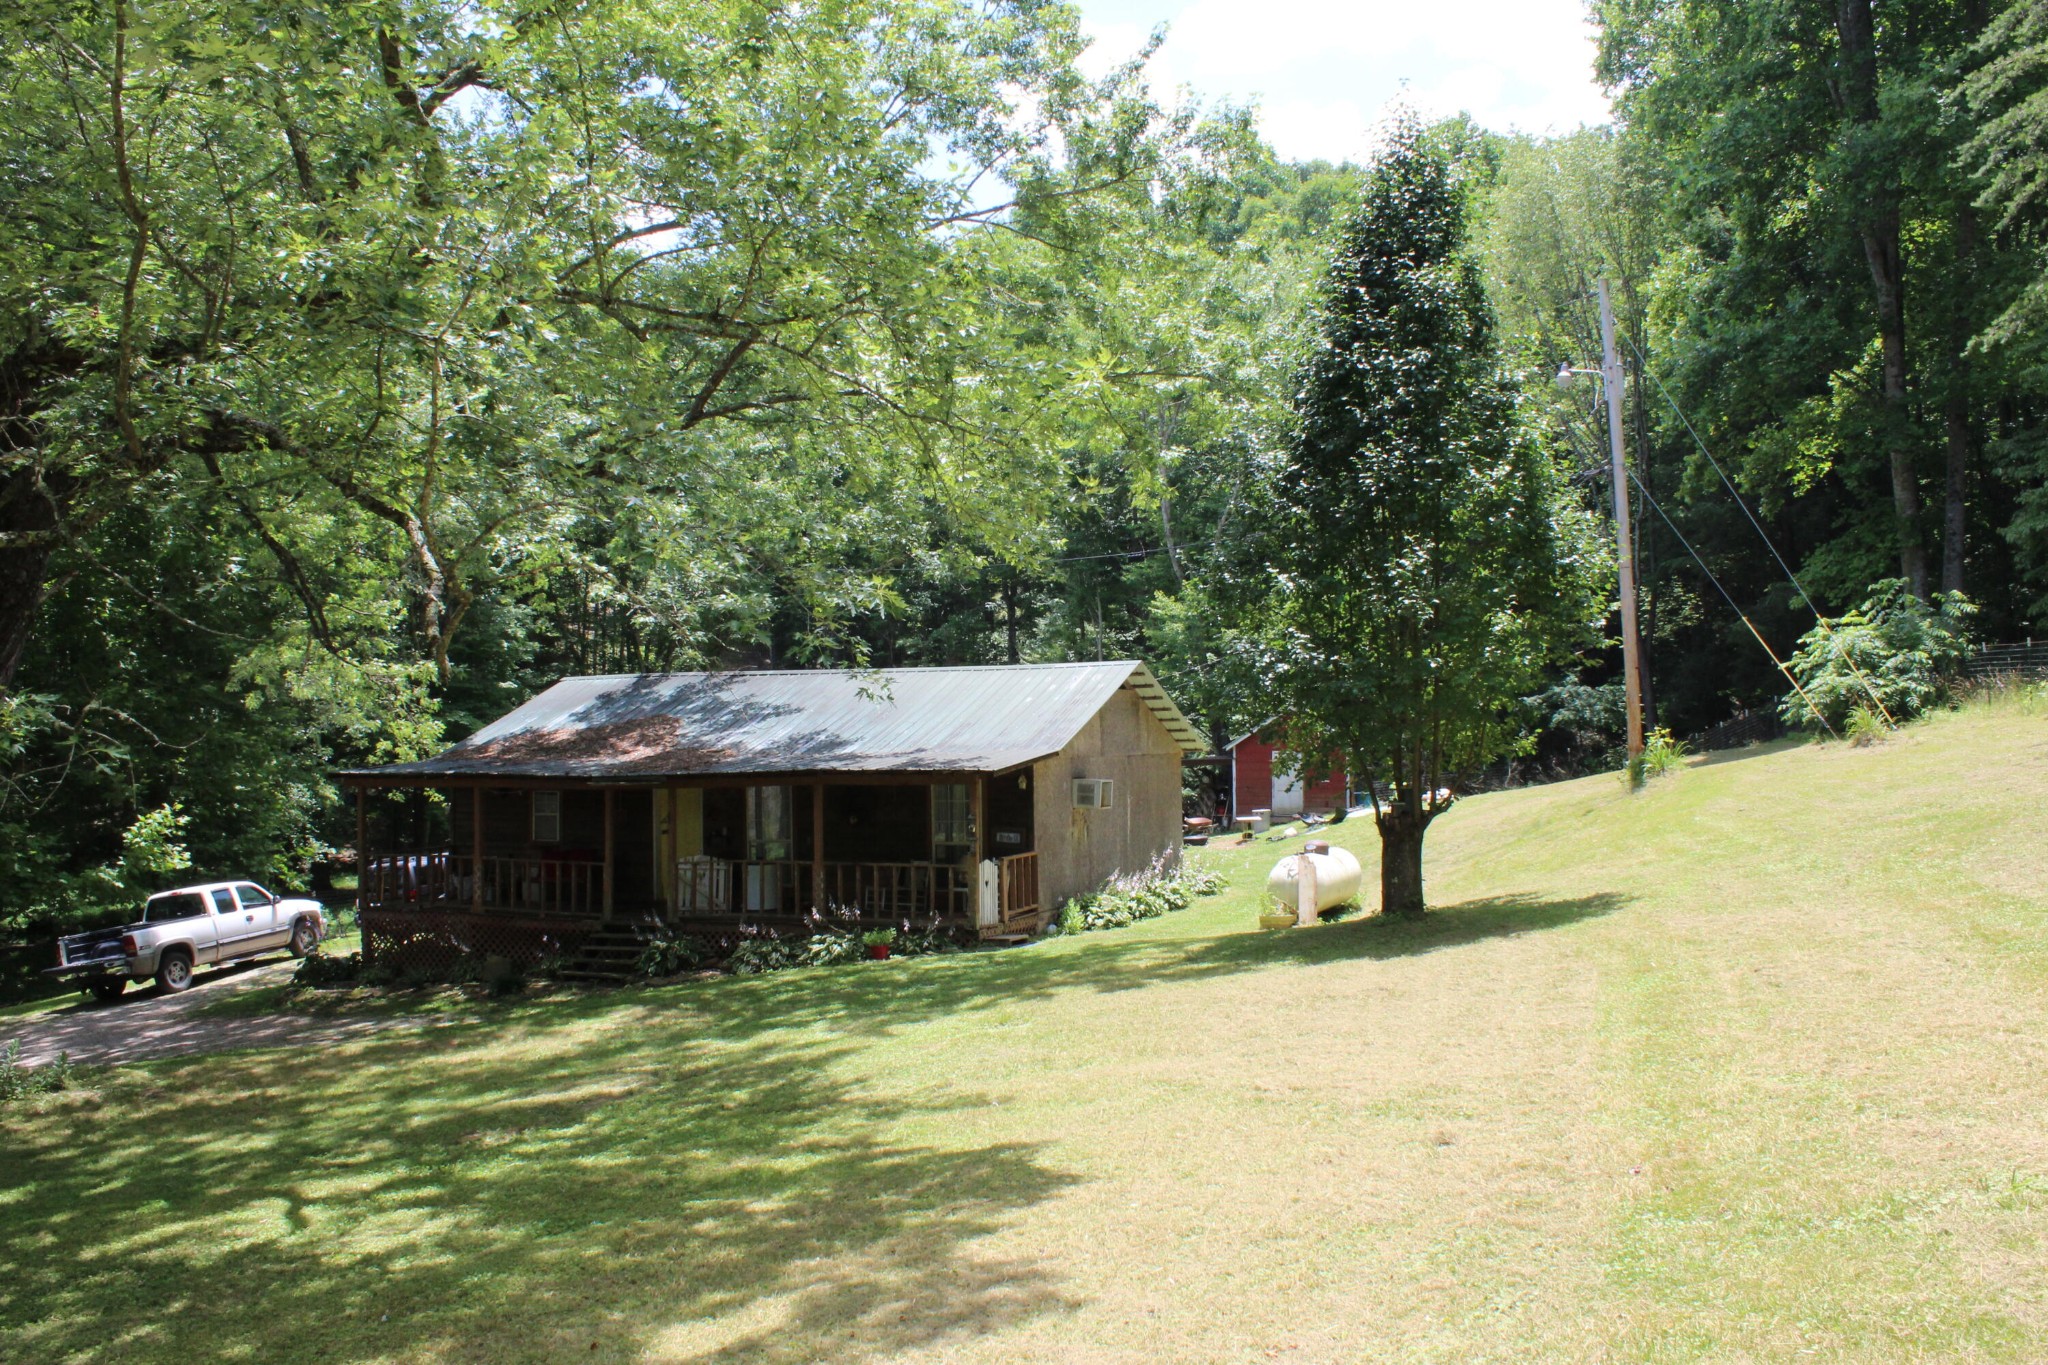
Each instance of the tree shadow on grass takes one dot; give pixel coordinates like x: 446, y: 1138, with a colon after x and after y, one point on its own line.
x: 1378, y: 937
x: 1714, y: 758
x: 584, y: 1198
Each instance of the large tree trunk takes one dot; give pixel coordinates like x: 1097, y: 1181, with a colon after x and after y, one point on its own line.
x: 1401, y: 863
x: 1882, y: 250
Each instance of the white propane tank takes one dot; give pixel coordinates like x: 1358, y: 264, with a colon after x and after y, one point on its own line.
x: 1307, y: 883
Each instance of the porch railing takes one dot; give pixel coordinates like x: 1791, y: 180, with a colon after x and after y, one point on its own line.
x: 397, y: 880
x: 898, y: 890
x: 783, y: 887
x: 448, y: 881
x: 546, y: 886
x: 1017, y: 889
x: 705, y: 887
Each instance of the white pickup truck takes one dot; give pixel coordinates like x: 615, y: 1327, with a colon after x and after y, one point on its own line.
x: 192, y: 927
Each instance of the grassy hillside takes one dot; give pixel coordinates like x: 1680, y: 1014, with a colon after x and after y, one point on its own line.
x: 1748, y: 1066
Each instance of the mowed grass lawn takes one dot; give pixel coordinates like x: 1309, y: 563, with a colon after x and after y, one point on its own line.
x: 1749, y: 1066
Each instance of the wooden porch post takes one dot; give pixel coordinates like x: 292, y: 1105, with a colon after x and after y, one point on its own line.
x: 362, y: 854
x: 818, y: 845
x: 476, y: 849
x: 980, y: 835
x: 980, y: 790
x: 610, y: 839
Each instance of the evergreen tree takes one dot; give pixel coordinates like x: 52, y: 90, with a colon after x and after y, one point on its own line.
x: 1412, y: 570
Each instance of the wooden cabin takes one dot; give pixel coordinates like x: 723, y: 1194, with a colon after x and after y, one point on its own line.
x: 980, y: 798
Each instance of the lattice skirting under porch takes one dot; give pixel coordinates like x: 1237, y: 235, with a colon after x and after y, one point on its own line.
x: 437, y: 939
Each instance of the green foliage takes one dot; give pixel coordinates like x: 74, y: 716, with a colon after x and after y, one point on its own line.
x: 1138, y: 896
x: 2009, y: 150
x: 1661, y: 754
x: 151, y: 711
x: 1894, y: 654
x: 153, y: 848
x: 18, y: 1082
x: 1865, y: 726
x: 928, y: 941
x: 770, y: 953
x: 671, y: 956
x: 755, y: 955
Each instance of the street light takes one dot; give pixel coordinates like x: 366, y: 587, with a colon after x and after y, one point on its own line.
x: 1610, y: 375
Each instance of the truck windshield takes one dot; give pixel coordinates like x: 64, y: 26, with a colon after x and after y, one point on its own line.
x: 173, y: 905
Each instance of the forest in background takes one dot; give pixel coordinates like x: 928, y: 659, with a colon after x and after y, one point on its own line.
x: 366, y: 367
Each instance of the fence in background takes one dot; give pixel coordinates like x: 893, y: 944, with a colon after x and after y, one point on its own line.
x: 2028, y: 659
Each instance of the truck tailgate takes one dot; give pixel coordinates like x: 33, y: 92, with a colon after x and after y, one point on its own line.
x: 97, y: 950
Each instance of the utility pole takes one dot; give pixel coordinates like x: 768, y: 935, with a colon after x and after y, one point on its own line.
x: 1624, y: 536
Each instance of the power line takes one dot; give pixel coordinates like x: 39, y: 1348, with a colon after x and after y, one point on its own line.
x: 1112, y: 554
x: 1658, y: 508
x: 1135, y: 554
x: 1593, y: 466
x: 1643, y: 368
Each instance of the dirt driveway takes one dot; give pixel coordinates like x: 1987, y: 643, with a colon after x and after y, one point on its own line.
x: 143, y: 1024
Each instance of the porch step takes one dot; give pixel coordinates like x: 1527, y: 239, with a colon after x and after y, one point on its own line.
x: 611, y: 952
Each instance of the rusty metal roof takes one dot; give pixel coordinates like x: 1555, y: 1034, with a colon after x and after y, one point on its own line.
x: 650, y: 725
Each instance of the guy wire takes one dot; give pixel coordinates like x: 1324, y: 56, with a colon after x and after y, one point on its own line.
x: 1655, y: 506
x: 1643, y: 368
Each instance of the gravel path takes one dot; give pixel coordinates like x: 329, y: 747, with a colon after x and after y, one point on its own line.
x: 143, y: 1024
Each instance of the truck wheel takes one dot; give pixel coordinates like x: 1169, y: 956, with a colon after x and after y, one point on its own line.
x: 108, y: 989
x: 174, y: 973
x: 304, y: 939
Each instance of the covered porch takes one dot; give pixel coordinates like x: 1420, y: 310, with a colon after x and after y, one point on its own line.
x: 558, y: 858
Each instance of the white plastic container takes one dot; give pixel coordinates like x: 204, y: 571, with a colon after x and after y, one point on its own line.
x: 1316, y: 879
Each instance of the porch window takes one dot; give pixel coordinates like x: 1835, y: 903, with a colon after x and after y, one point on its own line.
x: 547, y: 817
x: 952, y: 822
x: 768, y: 825
x: 769, y: 844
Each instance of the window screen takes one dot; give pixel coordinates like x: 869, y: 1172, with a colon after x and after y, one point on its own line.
x: 547, y: 817
x: 768, y: 824
x: 952, y: 822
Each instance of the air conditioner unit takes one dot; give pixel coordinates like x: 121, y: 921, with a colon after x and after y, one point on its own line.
x: 1094, y: 793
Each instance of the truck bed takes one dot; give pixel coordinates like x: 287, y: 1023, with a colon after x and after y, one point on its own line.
x: 92, y: 952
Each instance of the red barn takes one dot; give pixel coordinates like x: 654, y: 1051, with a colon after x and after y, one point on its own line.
x: 1258, y: 783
